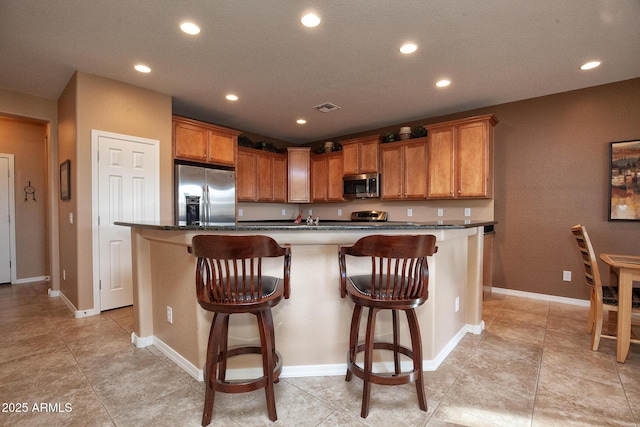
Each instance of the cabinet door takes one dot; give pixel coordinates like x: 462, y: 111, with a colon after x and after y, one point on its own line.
x: 222, y: 148
x: 473, y: 160
x: 190, y: 142
x: 368, y: 156
x: 298, y: 168
x: 392, y: 174
x: 246, y: 189
x: 280, y: 179
x: 264, y: 164
x: 415, y: 170
x: 350, y: 159
x: 319, y: 179
x: 334, y: 177
x: 440, y: 155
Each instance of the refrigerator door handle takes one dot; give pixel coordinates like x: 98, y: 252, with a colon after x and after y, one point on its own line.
x: 208, y: 203
x: 205, y: 204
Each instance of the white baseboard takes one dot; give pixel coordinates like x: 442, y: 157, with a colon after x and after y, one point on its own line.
x: 191, y: 369
x: 141, y: 342
x: 302, y: 370
x: 542, y: 297
x: 31, y: 280
x: 78, y: 314
x: 52, y: 293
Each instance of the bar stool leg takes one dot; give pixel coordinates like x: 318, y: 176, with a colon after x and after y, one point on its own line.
x: 396, y: 341
x: 368, y: 361
x: 223, y: 345
x: 353, y: 338
x: 213, y: 349
x: 265, y: 325
x: 416, y: 344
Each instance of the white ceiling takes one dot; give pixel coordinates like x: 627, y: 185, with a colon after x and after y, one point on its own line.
x: 493, y: 51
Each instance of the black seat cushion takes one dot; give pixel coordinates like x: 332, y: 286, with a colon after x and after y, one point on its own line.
x: 269, y: 286
x: 362, y: 283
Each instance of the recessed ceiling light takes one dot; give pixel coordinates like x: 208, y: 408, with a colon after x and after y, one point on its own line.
x: 443, y: 83
x: 301, y: 121
x: 590, y: 65
x: 310, y: 20
x: 190, y: 28
x: 142, y: 68
x: 408, y: 48
x: 231, y: 97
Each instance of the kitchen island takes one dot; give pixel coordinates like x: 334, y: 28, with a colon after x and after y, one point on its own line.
x: 312, y: 326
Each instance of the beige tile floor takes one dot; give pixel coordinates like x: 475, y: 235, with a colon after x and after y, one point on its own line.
x: 531, y: 367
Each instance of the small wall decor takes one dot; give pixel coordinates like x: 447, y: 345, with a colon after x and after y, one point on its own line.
x: 65, y: 180
x: 624, y: 181
x: 30, y: 191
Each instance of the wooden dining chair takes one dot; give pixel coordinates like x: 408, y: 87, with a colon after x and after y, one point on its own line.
x: 602, y: 297
x: 229, y: 280
x: 398, y: 281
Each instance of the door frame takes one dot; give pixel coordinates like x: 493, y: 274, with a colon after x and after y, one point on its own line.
x: 95, y: 234
x: 12, y: 215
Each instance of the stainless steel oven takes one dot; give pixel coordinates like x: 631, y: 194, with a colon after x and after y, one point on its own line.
x: 361, y: 186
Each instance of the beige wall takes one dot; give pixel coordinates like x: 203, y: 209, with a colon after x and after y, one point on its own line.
x: 26, y: 140
x: 45, y: 111
x: 90, y: 102
x: 67, y: 249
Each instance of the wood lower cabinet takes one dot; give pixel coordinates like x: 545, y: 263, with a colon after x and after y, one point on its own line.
x: 404, y: 170
x: 460, y: 158
x: 361, y: 155
x: 326, y: 177
x: 299, y: 174
x: 261, y: 176
x: 203, y: 142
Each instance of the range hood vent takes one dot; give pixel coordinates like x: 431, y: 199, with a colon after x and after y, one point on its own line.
x: 326, y: 107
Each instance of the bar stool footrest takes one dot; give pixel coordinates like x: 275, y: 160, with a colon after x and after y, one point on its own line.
x: 244, y: 385
x: 383, y: 378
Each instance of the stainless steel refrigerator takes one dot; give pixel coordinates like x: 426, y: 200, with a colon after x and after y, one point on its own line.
x: 204, y: 195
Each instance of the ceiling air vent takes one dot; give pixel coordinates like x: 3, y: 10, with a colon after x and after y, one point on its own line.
x: 327, y: 107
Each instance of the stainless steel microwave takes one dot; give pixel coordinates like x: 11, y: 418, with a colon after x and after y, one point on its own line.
x: 361, y: 186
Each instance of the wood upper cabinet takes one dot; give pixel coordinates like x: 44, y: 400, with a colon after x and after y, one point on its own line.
x: 280, y: 178
x: 246, y: 177
x: 261, y: 176
x: 460, y: 158
x: 203, y: 142
x: 404, y: 170
x: 326, y: 177
x: 361, y: 155
x: 299, y: 164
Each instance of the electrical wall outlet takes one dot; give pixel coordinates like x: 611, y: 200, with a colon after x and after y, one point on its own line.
x: 284, y: 212
x: 240, y: 212
x: 440, y: 212
x: 467, y: 211
x: 457, y: 307
x: 409, y: 212
x: 310, y: 212
x: 566, y: 276
x: 339, y: 212
x: 169, y: 315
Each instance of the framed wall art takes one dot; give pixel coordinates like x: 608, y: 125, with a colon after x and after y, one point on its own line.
x: 624, y: 181
x: 65, y: 180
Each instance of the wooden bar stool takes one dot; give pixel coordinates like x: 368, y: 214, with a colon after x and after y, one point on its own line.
x: 398, y: 280
x: 229, y: 280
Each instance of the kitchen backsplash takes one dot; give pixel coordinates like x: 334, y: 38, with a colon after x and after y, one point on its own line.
x: 398, y: 211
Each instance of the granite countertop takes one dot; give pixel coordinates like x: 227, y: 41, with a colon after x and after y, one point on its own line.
x: 323, y: 225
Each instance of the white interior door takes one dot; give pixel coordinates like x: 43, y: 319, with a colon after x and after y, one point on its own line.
x: 128, y: 190
x: 6, y: 190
